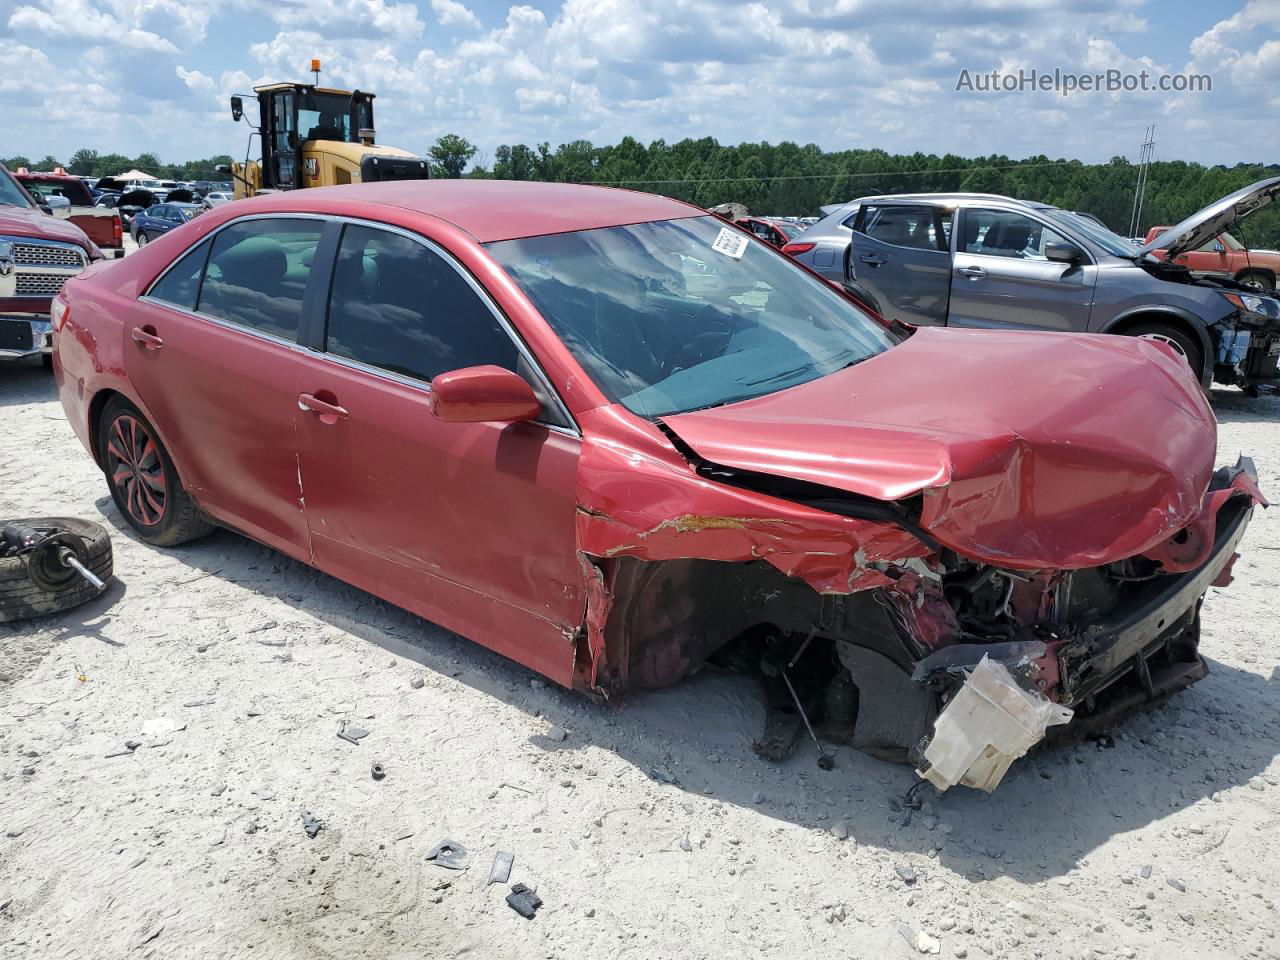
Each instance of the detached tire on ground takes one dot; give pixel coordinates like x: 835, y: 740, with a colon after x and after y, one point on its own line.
x: 20, y: 598
x: 1182, y: 342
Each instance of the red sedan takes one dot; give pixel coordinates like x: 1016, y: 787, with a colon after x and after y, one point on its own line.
x: 609, y: 436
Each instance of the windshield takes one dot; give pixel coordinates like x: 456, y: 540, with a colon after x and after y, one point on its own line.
x: 325, y: 116
x: 187, y: 213
x: 11, y: 194
x: 788, y: 229
x: 664, y: 322
x: 1094, y: 232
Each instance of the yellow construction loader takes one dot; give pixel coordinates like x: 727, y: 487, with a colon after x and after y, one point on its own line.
x: 314, y: 136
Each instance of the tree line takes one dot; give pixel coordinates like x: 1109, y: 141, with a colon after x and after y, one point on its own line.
x: 787, y: 179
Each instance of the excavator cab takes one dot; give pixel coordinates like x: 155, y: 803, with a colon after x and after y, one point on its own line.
x: 315, y: 136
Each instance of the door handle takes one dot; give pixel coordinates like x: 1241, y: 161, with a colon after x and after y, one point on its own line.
x: 147, y: 337
x: 873, y: 259
x: 975, y: 273
x: 329, y: 413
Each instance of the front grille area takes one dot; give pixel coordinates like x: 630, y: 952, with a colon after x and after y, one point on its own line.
x: 45, y: 255
x: 40, y: 284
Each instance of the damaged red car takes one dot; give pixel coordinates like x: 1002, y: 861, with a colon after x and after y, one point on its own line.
x: 612, y: 438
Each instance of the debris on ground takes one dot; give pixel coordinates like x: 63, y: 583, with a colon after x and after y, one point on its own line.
x: 450, y: 855
x: 378, y: 771
x: 523, y: 901
x: 351, y: 733
x: 500, y: 872
x: 311, y: 825
x: 663, y: 775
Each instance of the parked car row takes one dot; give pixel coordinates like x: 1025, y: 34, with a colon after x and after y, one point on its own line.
x: 609, y: 435
x: 977, y: 260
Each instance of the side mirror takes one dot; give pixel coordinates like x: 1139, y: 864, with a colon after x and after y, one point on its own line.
x: 1219, y: 248
x: 1063, y: 253
x: 237, y: 109
x: 482, y: 394
x: 45, y: 208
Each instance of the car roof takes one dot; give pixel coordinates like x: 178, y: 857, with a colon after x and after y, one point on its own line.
x: 491, y: 210
x: 958, y: 197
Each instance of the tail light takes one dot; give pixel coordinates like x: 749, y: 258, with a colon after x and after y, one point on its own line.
x: 795, y: 249
x: 117, y: 231
x: 59, y: 311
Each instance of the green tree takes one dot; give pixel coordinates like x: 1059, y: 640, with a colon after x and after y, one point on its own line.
x: 451, y: 154
x: 83, y: 162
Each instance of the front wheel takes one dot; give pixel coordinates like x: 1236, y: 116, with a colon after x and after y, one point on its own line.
x: 1183, y: 343
x: 142, y: 239
x: 144, y: 484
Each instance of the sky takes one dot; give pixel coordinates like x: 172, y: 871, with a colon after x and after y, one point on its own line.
x: 130, y: 76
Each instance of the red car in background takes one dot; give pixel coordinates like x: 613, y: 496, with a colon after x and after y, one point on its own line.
x: 611, y: 436
x: 1225, y: 256
x: 102, y: 225
x: 38, y: 254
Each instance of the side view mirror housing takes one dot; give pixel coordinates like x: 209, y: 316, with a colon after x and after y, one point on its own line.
x: 484, y: 394
x: 45, y: 208
x: 237, y: 109
x: 223, y: 168
x: 1219, y: 248
x: 1063, y: 253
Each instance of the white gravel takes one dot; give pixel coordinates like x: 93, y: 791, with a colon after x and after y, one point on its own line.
x: 235, y: 667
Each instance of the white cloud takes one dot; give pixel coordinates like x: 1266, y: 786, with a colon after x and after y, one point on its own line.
x: 451, y: 13
x: 842, y: 73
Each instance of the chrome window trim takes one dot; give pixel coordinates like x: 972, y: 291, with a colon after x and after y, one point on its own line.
x: 572, y: 429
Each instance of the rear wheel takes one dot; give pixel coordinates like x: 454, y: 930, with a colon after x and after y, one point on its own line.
x: 1259, y: 281
x: 142, y: 238
x: 1183, y: 343
x: 144, y: 484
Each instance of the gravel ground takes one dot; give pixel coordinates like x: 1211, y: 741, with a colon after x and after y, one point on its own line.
x: 649, y: 831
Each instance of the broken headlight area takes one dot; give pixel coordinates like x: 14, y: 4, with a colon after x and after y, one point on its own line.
x: 1248, y: 342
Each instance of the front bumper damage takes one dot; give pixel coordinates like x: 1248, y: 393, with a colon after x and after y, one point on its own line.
x: 862, y: 620
x: 1131, y: 658
x: 1248, y: 352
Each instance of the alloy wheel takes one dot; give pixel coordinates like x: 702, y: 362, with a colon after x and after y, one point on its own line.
x: 136, y: 470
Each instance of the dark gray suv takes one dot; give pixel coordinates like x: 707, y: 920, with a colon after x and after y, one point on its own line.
x: 971, y: 260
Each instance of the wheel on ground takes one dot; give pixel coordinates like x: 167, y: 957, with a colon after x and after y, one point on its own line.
x: 1259, y: 281
x: 142, y: 239
x: 143, y: 481
x: 47, y: 360
x: 20, y: 597
x: 1182, y: 343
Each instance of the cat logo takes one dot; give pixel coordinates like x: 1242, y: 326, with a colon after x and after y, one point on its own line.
x: 312, y: 167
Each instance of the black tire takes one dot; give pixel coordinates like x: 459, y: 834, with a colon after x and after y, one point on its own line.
x: 1181, y: 341
x: 151, y: 497
x: 47, y: 360
x: 1264, y: 283
x: 20, y: 598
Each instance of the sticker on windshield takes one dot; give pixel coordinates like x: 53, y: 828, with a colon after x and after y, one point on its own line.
x: 730, y: 242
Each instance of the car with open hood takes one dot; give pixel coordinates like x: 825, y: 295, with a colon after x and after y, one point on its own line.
x: 611, y: 437
x: 969, y: 260
x: 38, y: 254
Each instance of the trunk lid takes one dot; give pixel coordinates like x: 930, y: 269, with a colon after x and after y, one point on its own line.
x: 1030, y: 450
x: 1203, y: 225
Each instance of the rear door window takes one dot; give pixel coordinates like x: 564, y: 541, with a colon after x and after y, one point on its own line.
x: 258, y: 272
x: 903, y: 225
x: 180, y: 286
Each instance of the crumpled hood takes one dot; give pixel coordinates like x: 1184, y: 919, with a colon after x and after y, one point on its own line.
x: 1205, y: 224
x: 25, y: 222
x: 1031, y: 450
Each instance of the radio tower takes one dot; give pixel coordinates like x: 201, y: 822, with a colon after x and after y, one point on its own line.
x: 1145, y: 153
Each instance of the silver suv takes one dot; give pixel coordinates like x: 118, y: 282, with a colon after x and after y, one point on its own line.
x: 973, y: 260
